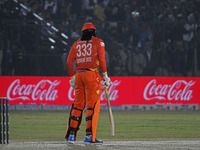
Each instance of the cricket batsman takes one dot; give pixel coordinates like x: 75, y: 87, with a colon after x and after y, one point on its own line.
x: 89, y: 54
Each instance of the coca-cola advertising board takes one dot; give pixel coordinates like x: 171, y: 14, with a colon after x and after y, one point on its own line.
x: 123, y: 90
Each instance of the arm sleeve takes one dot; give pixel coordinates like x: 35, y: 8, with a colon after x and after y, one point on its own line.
x: 102, y: 58
x: 71, y: 58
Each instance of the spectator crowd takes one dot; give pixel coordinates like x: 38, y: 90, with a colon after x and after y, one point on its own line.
x: 142, y: 37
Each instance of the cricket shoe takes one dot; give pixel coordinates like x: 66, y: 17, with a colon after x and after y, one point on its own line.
x: 71, y: 139
x: 88, y: 140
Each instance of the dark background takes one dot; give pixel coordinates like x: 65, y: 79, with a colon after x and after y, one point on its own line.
x: 142, y: 37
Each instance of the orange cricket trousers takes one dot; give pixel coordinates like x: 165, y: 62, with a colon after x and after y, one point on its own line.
x: 87, y: 93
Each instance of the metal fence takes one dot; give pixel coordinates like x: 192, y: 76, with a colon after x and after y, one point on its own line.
x: 40, y: 48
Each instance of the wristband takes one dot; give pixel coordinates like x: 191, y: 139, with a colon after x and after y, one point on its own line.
x: 72, y: 77
x: 105, y: 74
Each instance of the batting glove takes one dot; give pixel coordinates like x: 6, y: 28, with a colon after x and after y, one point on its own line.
x: 72, y: 81
x: 106, y: 81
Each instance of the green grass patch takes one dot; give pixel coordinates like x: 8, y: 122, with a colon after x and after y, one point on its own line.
x: 51, y: 125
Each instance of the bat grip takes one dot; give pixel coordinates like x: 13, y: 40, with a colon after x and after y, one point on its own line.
x: 107, y: 96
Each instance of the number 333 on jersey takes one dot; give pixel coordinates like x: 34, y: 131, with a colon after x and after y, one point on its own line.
x: 88, y: 55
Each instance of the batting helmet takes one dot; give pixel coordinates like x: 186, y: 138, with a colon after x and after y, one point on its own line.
x: 88, y: 26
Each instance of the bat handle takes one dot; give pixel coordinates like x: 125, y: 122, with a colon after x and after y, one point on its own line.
x: 107, y: 96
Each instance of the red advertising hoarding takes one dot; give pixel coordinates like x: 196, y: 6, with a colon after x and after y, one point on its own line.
x: 123, y: 90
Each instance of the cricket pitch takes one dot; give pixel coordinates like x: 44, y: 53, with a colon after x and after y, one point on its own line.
x: 155, y: 144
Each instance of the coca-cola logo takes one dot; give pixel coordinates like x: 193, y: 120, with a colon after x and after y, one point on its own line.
x: 112, y: 92
x: 179, y: 90
x: 43, y: 90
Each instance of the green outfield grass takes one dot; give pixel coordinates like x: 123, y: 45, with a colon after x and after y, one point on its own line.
x: 51, y: 125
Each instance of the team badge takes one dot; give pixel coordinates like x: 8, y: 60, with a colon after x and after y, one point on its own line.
x: 102, y: 44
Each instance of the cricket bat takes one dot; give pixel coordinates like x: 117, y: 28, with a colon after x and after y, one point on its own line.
x: 112, y: 123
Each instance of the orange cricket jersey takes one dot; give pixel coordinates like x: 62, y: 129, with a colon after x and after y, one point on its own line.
x: 88, y: 55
